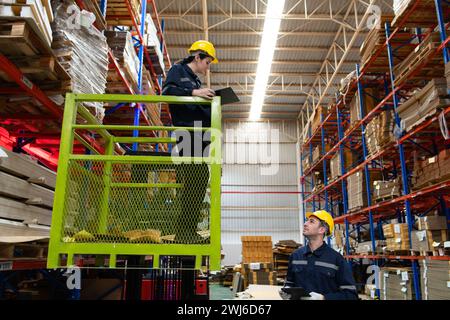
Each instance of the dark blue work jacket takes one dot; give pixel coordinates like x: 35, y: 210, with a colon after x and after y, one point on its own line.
x: 181, y: 81
x: 323, y: 271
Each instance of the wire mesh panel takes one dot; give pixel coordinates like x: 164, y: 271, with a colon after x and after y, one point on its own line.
x: 137, y: 203
x: 134, y: 204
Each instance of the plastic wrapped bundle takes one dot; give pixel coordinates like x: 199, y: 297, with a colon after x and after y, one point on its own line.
x: 82, y: 50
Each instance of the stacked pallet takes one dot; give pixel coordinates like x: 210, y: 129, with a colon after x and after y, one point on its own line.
x: 434, y: 68
x: 386, y: 189
x: 366, y: 247
x: 336, y: 166
x: 370, y: 101
x: 316, y: 154
x: 373, y: 43
x: 259, y: 273
x: 397, y: 237
x: 118, y: 14
x: 26, y: 200
x: 153, y: 45
x: 435, y: 279
x: 432, y: 234
x: 121, y: 44
x: 281, y: 252
x: 257, y: 249
x: 356, y: 185
x: 21, y: 43
x: 319, y: 113
x: 424, y: 103
x: 423, y: 15
x: 306, y: 163
x: 431, y: 170
x: 379, y: 132
x: 396, y: 283
x: 37, y: 11
x: 83, y: 52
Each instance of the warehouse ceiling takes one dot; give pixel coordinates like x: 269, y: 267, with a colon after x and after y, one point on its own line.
x: 317, y: 46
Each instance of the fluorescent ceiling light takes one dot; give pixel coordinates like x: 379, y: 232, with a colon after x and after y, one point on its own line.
x: 272, y: 21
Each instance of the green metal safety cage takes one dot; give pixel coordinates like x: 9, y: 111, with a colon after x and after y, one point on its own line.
x: 116, y: 205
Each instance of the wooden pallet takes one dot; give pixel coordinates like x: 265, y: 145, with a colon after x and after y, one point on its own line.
x: 386, y: 198
x: 36, y: 250
x: 26, y: 50
x: 424, y: 15
x: 433, y: 68
x: 117, y: 13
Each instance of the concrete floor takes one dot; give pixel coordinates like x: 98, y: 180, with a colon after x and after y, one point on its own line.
x: 218, y: 292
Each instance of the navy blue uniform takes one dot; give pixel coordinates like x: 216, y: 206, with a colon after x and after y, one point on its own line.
x: 323, y: 271
x: 181, y: 81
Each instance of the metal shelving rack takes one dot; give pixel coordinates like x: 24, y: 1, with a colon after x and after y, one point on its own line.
x: 55, y: 113
x: 354, y: 138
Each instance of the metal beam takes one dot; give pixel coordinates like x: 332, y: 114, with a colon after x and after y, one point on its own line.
x: 284, y: 62
x: 256, y: 33
x: 252, y: 48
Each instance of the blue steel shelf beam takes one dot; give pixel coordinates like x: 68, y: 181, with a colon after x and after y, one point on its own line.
x: 404, y: 170
x: 366, y: 166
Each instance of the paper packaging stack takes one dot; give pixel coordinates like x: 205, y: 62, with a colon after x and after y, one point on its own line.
x: 397, y: 237
x: 82, y: 51
x: 281, y: 252
x: 435, y: 279
x: 259, y: 273
x: 396, y: 283
x: 424, y: 103
x: 431, y: 170
x: 319, y: 113
x: 375, y: 40
x: 366, y: 247
x: 121, y: 44
x: 369, y: 104
x: 335, y: 163
x: 356, y: 186
x: 257, y: 249
x: 423, y: 15
x: 153, y: 45
x: 432, y: 233
x: 379, y: 132
x: 386, y: 189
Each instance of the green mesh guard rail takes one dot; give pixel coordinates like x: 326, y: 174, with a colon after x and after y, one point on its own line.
x: 116, y: 205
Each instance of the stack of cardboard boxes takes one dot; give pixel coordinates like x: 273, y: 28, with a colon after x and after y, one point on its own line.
x: 319, y: 113
x: 370, y: 101
x: 435, y: 279
x: 431, y: 170
x: 257, y: 260
x: 386, y: 189
x: 396, y: 283
x: 379, y: 132
x: 424, y: 103
x: 397, y: 236
x: 336, y: 166
x: 356, y: 186
x: 431, y: 234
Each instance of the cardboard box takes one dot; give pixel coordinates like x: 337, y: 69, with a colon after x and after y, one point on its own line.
x: 432, y: 223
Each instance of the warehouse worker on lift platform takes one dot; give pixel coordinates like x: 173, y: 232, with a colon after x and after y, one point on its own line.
x: 318, y: 269
x: 182, y: 80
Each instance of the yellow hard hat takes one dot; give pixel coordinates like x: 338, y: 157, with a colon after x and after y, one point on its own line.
x: 206, y: 47
x: 324, y: 216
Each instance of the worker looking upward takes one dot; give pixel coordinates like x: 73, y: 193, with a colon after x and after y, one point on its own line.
x: 318, y: 269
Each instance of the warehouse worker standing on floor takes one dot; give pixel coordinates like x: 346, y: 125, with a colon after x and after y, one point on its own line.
x: 182, y: 80
x: 318, y: 269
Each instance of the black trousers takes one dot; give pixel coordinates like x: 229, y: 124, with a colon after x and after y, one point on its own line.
x: 195, y: 177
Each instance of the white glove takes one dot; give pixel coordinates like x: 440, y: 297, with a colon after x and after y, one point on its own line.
x: 314, y: 296
x: 284, y: 295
